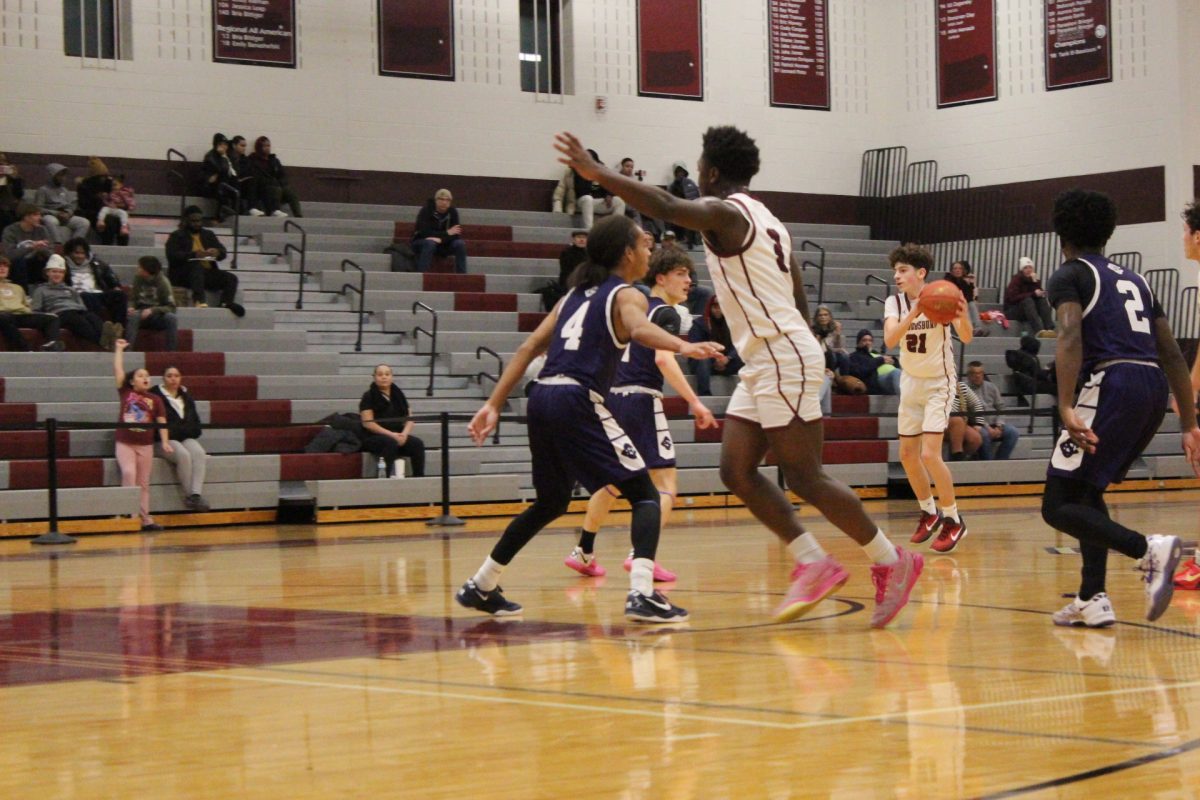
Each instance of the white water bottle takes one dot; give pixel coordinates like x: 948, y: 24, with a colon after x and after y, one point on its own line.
x: 381, y: 468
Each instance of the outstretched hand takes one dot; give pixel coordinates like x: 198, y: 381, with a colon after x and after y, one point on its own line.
x: 701, y: 349
x: 1079, y: 431
x: 576, y: 156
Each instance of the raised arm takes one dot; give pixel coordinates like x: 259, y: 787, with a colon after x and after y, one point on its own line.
x: 119, y: 361
x: 705, y: 214
x: 630, y: 319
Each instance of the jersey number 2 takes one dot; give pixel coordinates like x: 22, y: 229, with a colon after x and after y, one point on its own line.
x: 1134, y: 306
x: 572, y: 329
x: 915, y: 342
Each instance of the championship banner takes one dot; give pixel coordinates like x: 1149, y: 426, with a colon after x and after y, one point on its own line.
x: 259, y: 32
x: 1078, y: 49
x: 966, y: 51
x: 670, y: 53
x: 798, y: 41
x: 416, y: 39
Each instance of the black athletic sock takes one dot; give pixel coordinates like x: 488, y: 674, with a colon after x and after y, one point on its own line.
x: 587, y: 541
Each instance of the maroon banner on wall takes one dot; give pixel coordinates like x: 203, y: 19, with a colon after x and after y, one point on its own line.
x: 1078, y: 49
x: 798, y: 42
x: 670, y: 53
x: 966, y: 51
x: 416, y: 39
x: 259, y: 32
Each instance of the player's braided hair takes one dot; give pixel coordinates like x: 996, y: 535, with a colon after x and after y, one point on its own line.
x: 1084, y: 219
x: 732, y: 152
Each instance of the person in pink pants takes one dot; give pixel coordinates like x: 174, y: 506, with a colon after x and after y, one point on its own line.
x: 135, y: 446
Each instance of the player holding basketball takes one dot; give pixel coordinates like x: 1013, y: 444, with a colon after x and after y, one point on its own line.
x: 572, y: 436
x: 635, y: 401
x: 776, y: 404
x: 1112, y: 330
x: 927, y: 389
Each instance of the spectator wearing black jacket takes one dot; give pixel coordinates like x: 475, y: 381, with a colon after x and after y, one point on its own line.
x: 98, y: 285
x: 387, y: 428
x: 219, y: 171
x: 193, y: 255
x: 269, y: 183
x: 12, y: 190
x: 878, y: 371
x: 183, y: 433
x: 571, y: 257
x: 438, y: 232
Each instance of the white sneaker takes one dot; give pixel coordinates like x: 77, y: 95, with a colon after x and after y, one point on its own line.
x: 1094, y: 613
x: 254, y: 212
x: 279, y: 212
x: 1158, y: 567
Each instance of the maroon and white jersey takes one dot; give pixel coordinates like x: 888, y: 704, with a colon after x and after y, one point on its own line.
x: 927, y: 349
x: 754, y: 283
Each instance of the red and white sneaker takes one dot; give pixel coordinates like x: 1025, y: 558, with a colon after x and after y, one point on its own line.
x: 1189, y: 576
x: 951, y: 534
x: 811, y: 583
x: 927, y: 527
x: 661, y: 574
x: 585, y: 565
x: 893, y: 584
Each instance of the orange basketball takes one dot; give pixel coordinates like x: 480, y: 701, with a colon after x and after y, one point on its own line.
x: 939, y: 301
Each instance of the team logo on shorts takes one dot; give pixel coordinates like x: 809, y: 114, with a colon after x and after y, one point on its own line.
x: 629, y: 451
x: 1068, y: 448
x: 666, y: 443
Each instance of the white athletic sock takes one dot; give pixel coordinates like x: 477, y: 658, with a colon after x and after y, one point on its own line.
x: 951, y: 512
x: 806, y: 549
x: 881, y: 550
x: 488, y: 576
x: 641, y: 576
x: 928, y: 505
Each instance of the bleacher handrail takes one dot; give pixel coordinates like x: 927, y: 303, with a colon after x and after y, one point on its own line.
x: 433, y: 335
x: 303, y: 251
x: 873, y: 278
x: 362, y: 297
x: 225, y: 188
x: 181, y: 176
x: 479, y: 376
x: 809, y: 245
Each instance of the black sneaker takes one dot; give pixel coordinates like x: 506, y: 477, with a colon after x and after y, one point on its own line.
x: 237, y: 308
x: 655, y: 608
x: 493, y: 602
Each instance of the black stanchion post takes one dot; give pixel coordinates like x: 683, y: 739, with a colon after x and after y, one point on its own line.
x: 52, y: 536
x: 446, y: 518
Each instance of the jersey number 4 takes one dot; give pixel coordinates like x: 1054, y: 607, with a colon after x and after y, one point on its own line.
x: 572, y: 329
x: 915, y: 342
x: 1134, y: 306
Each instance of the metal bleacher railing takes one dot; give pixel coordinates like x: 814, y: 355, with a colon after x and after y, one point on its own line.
x: 433, y: 335
x: 479, y: 376
x: 819, y: 265
x: 362, y: 296
x: 180, y: 176
x: 288, y: 247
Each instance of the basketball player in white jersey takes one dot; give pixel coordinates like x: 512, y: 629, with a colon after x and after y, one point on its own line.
x: 776, y: 405
x: 928, y: 381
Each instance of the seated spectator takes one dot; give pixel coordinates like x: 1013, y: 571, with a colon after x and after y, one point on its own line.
x: 28, y: 245
x: 270, y: 183
x: 998, y: 437
x: 193, y: 255
x: 56, y: 296
x: 92, y: 193
x: 1029, y: 376
x: 218, y: 171
x: 651, y: 226
x: 877, y: 371
x: 960, y: 275
x: 387, y: 429
x: 592, y: 199
x: 829, y: 333
x: 135, y: 446
x: 98, y: 285
x: 571, y: 257
x: 962, y: 432
x: 183, y: 435
x: 12, y: 190
x: 16, y: 313
x: 438, y: 232
x: 1025, y: 300
x: 712, y: 327
x: 119, y: 204
x: 57, y: 203
x: 152, y: 304
x: 684, y: 187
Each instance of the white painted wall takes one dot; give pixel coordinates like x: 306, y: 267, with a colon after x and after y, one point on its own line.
x: 335, y: 111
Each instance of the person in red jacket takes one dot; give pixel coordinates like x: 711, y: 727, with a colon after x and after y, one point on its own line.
x: 1025, y: 300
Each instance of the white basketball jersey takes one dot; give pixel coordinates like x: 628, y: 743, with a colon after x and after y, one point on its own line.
x: 754, y: 283
x: 926, y: 350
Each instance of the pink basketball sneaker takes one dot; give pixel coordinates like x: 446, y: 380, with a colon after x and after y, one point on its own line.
x: 893, y: 584
x: 661, y: 573
x: 585, y: 565
x: 811, y: 583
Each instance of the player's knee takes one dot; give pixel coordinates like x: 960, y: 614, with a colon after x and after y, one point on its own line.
x: 736, y: 480
x: 931, y: 454
x: 639, y: 490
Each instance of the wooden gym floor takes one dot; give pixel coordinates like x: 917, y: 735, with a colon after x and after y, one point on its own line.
x: 332, y: 662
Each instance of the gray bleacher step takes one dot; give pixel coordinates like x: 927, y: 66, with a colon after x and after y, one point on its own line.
x: 370, y: 339
x: 91, y: 501
x: 294, y: 492
x: 337, y: 325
